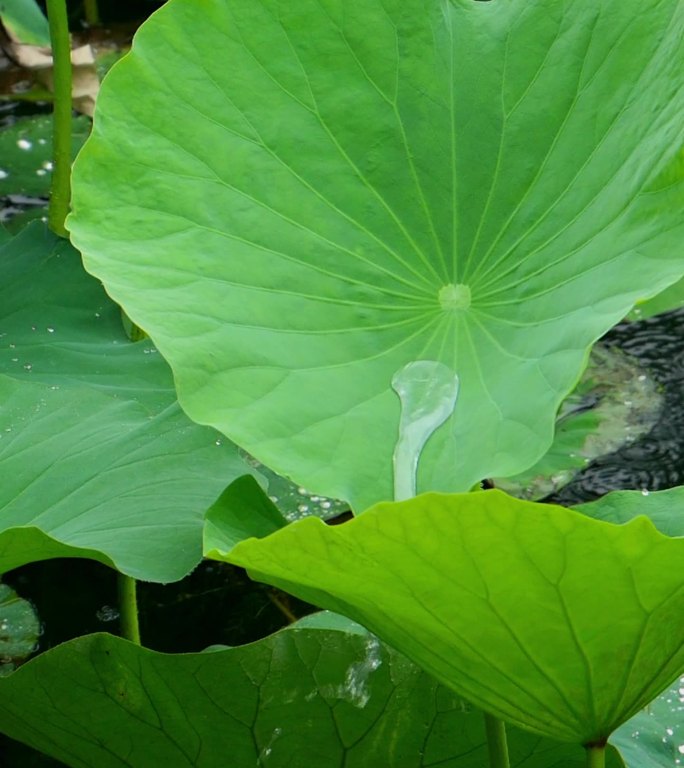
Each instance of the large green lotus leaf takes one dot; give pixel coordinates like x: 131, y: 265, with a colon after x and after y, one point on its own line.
x: 297, y: 199
x: 545, y: 617
x: 96, y: 457
x: 302, y: 698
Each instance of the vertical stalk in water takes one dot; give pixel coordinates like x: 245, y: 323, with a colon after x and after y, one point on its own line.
x: 60, y: 191
x: 596, y: 755
x: 128, y: 608
x: 497, y: 745
x: 92, y: 13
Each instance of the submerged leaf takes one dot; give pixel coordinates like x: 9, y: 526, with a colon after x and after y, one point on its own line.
x: 19, y: 629
x: 26, y: 154
x: 536, y: 613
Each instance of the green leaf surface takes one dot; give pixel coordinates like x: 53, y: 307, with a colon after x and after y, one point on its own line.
x: 654, y: 738
x: 302, y: 698
x: 26, y: 21
x: 665, y: 509
x: 26, y: 154
x: 19, y: 220
x: 497, y: 598
x: 355, y: 184
x: 19, y: 629
x: 96, y: 457
x: 667, y: 300
x: 241, y: 511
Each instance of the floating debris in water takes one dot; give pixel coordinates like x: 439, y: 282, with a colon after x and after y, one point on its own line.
x: 107, y: 613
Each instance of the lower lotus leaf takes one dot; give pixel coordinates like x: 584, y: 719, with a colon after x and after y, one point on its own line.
x: 549, y: 619
x: 667, y: 300
x: 665, y: 509
x: 302, y: 698
x: 654, y: 738
x: 96, y: 457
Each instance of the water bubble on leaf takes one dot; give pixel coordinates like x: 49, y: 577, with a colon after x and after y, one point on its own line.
x: 28, y: 366
x: 268, y: 749
x: 355, y: 687
x: 3, y: 174
x: 24, y: 144
x: 48, y: 165
x: 41, y: 172
x: 107, y: 613
x: 50, y: 330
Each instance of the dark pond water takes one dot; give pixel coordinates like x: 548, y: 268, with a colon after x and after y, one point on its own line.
x: 113, y: 10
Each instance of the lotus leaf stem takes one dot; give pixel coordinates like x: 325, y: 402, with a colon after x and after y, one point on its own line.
x: 128, y: 608
x: 60, y: 191
x: 596, y: 756
x: 92, y: 13
x: 496, y: 742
